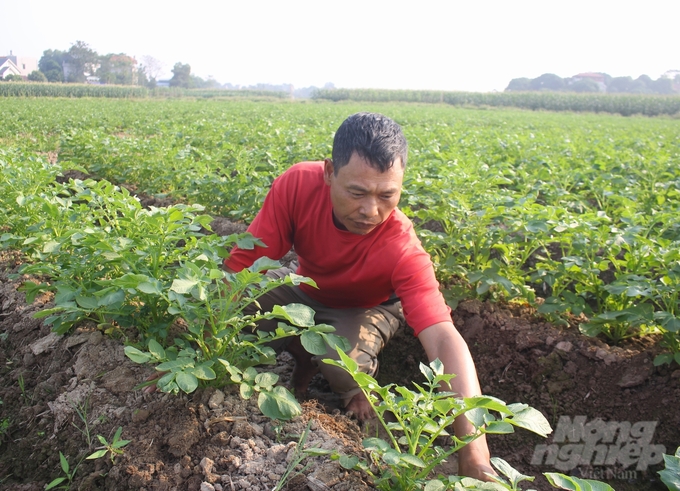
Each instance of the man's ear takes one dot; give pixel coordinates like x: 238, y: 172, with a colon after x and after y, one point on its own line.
x: 328, y: 171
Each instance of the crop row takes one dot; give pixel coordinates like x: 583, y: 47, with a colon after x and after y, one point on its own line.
x: 624, y: 104
x: 575, y: 214
x: 36, y: 89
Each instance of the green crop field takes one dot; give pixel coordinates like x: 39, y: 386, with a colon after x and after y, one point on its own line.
x: 576, y: 214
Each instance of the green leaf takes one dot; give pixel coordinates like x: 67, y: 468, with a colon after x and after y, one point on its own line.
x: 51, y: 247
x: 278, y: 403
x: 663, y: 359
x: 88, y: 303
x: 531, y: 419
x: 167, y: 383
x: 175, y: 365
x: 186, y: 381
x: 64, y: 463
x: 247, y: 241
x: 374, y: 443
x: 435, y: 485
x: 296, y: 280
x: 120, y: 443
x: 183, y: 286
x: 391, y: 457
x: 246, y: 391
x: 508, y: 471
x: 204, y: 372
x: 590, y: 329
x: 413, y: 460
x: 298, y: 314
x: 156, y: 349
x: 487, y: 402
x: 499, y: 428
x: 574, y: 483
x: 136, y: 355
x: 151, y: 287
x: 47, y: 312
x: 55, y: 483
x: 264, y: 263
x: 313, y: 342
x: 348, y: 461
x: 476, y: 416
x: 266, y: 380
x: 113, y: 298
x: 670, y: 476
x: 96, y: 455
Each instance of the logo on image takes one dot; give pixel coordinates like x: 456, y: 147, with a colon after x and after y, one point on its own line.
x: 600, y: 443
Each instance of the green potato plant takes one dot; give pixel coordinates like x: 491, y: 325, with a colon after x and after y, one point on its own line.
x: 670, y: 475
x: 414, y: 422
x: 221, y: 343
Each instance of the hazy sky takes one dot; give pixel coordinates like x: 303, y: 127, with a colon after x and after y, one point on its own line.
x: 445, y: 45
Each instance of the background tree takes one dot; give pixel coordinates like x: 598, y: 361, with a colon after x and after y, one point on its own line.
x: 13, y: 78
x: 547, y: 81
x: 584, y: 85
x: 82, y: 61
x: 181, y: 75
x: 620, y: 85
x: 52, y: 65
x: 37, y: 76
x: 519, y: 84
x: 117, y: 69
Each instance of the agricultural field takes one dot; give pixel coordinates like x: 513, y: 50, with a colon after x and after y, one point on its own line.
x: 555, y: 238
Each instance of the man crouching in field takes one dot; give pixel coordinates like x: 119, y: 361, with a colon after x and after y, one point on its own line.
x: 373, y: 274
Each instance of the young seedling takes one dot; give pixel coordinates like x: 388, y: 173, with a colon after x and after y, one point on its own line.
x: 81, y: 411
x: 68, y: 475
x: 115, y: 447
x: 298, y: 456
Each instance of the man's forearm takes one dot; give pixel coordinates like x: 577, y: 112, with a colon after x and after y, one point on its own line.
x: 443, y: 341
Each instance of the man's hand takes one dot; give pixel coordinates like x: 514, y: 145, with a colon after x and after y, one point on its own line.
x: 473, y: 461
x: 360, y: 407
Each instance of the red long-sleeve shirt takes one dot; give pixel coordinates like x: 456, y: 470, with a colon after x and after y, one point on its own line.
x: 351, y: 270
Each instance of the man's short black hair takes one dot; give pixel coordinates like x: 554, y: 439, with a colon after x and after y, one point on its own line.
x: 372, y: 136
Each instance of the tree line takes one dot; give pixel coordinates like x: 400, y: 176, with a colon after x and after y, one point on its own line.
x: 599, y: 82
x: 81, y: 64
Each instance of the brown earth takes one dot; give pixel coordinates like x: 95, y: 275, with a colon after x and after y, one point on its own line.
x: 58, y: 393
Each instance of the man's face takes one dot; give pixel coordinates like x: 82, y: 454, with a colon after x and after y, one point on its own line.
x: 362, y: 196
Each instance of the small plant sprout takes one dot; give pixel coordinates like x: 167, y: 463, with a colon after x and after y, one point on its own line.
x: 115, y: 447
x: 299, y: 454
x: 68, y: 475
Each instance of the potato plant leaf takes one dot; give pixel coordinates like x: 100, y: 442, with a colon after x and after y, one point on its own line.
x: 136, y: 355
x: 278, y: 403
x: 186, y: 381
x: 574, y: 483
x: 313, y: 342
x: 531, y: 419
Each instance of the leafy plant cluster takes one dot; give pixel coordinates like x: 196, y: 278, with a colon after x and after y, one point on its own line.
x: 583, y: 228
x: 140, y: 273
x: 416, y: 422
